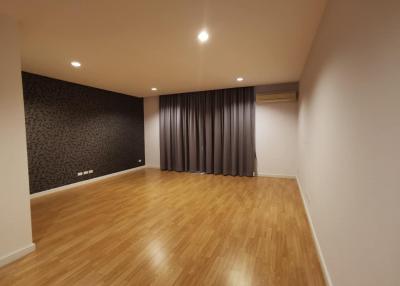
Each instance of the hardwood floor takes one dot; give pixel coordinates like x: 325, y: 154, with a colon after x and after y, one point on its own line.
x: 166, y: 228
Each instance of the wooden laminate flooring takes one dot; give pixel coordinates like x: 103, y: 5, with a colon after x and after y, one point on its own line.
x: 167, y: 228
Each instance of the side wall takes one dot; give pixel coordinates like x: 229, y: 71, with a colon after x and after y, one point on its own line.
x: 152, y: 131
x: 276, y: 139
x: 15, y: 213
x: 349, y: 138
x: 73, y: 128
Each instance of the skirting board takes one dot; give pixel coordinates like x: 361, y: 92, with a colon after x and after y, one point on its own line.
x: 153, y: 166
x: 276, y: 176
x: 67, y: 187
x: 325, y: 271
x: 17, y: 254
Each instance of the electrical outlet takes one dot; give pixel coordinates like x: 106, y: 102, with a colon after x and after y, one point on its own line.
x: 90, y: 171
x: 80, y: 173
x: 86, y: 172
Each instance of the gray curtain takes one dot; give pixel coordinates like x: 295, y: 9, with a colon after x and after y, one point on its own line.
x: 210, y: 131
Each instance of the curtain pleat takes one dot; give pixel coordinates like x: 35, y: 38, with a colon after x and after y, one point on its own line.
x: 210, y: 131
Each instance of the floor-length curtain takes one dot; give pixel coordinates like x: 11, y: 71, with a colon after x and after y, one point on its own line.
x: 210, y: 131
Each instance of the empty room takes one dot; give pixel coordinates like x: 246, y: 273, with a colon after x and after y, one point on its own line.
x: 241, y: 142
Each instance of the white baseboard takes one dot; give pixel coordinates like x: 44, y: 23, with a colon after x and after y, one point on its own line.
x: 276, y: 176
x: 325, y: 271
x: 153, y: 166
x: 67, y: 187
x: 6, y: 259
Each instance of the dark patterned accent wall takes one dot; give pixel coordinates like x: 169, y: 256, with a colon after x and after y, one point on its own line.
x: 73, y: 128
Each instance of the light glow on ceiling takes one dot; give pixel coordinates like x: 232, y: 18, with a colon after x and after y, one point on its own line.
x: 76, y: 64
x: 203, y: 36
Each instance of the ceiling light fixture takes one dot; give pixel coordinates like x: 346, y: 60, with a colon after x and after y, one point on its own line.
x: 154, y: 88
x: 76, y: 64
x: 239, y: 79
x: 203, y: 36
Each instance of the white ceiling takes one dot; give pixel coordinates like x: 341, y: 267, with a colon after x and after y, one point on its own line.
x: 130, y: 46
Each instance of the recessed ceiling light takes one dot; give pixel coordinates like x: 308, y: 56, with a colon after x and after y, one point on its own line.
x: 154, y: 88
x: 203, y: 36
x: 75, y: 64
x: 239, y: 79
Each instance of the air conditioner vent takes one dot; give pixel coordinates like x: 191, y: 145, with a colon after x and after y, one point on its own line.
x: 277, y: 92
x: 279, y: 97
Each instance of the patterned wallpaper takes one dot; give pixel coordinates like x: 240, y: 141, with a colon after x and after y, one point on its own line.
x: 73, y: 128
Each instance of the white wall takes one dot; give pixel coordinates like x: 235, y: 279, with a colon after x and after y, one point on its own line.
x: 276, y: 138
x: 152, y: 131
x: 349, y: 139
x: 15, y: 216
